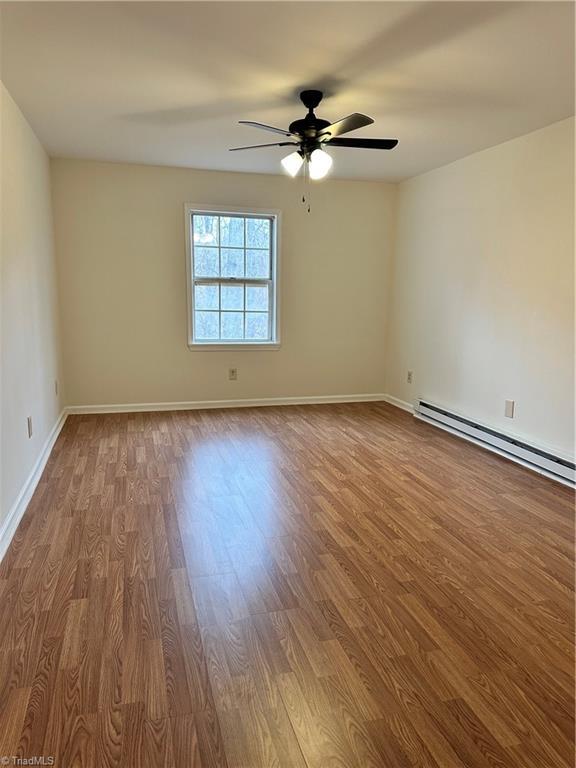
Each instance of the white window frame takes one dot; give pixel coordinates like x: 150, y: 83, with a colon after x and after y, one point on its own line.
x: 274, y: 300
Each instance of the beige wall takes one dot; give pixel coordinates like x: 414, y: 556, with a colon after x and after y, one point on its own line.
x: 478, y: 301
x: 483, y: 288
x: 464, y: 275
x: 28, y: 309
x: 121, y: 254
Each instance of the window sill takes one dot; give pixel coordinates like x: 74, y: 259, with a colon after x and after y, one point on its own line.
x: 264, y: 346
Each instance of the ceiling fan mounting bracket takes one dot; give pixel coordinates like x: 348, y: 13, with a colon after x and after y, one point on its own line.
x: 311, y: 99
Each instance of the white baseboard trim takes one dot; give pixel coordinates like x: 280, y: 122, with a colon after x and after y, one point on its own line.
x: 399, y: 403
x: 10, y: 524
x: 195, y: 405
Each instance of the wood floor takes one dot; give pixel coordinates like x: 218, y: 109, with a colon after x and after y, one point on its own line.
x: 301, y: 587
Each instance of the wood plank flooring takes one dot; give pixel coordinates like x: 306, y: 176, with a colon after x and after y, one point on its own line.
x: 299, y: 587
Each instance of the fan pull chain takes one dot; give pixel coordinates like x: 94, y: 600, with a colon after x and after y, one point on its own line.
x: 306, y: 193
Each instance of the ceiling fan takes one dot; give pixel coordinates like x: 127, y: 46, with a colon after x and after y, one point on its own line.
x: 312, y: 135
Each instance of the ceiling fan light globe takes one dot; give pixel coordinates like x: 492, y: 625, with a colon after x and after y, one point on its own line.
x: 319, y: 165
x: 292, y: 163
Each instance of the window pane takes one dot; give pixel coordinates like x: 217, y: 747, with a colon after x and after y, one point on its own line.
x: 232, y: 263
x: 206, y: 325
x: 205, y: 262
x: 232, y: 296
x: 258, y: 233
x: 233, y: 290
x: 205, y: 229
x: 257, y: 297
x: 206, y: 297
x: 257, y: 263
x: 232, y: 231
x: 232, y: 325
x: 257, y: 326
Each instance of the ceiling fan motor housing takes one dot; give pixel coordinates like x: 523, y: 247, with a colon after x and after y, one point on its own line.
x: 310, y: 126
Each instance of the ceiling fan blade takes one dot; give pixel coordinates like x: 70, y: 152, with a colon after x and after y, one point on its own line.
x: 350, y: 123
x: 363, y: 143
x: 257, y: 146
x: 281, y: 131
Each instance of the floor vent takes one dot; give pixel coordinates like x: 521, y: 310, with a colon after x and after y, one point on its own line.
x: 542, y: 460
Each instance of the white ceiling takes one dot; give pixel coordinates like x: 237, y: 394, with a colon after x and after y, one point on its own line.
x: 166, y: 83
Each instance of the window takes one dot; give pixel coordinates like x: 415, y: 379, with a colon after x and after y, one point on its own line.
x: 232, y: 277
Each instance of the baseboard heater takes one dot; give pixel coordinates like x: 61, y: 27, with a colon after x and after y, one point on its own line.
x: 542, y: 460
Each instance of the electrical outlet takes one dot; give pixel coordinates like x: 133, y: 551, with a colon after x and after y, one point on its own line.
x: 509, y: 408
x: 233, y: 374
x: 29, y: 421
x: 409, y: 377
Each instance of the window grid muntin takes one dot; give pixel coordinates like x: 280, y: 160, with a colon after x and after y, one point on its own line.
x: 245, y: 282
